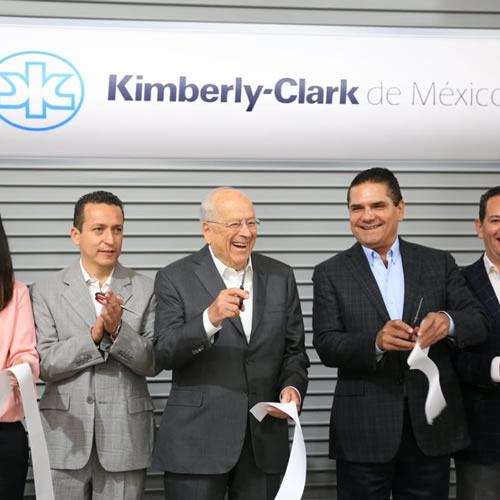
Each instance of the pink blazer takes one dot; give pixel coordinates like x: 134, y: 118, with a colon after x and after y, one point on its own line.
x: 17, y: 340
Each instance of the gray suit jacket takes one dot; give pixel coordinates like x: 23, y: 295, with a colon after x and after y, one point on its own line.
x: 215, y: 384
x: 94, y: 390
x: 349, y: 311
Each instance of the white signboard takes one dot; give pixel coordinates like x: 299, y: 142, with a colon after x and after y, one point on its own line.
x: 195, y: 90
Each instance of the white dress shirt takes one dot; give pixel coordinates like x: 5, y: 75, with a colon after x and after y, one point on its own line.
x: 93, y: 287
x: 233, y: 279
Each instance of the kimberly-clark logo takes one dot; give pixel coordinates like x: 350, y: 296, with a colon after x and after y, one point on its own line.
x: 39, y: 90
x: 284, y: 91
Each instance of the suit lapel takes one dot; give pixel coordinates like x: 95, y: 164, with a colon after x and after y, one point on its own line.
x: 121, y: 285
x: 77, y: 295
x: 205, y: 270
x: 412, y: 269
x: 360, y: 269
x: 259, y: 292
x: 480, y: 283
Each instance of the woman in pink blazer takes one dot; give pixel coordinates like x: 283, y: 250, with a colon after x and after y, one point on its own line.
x: 17, y: 345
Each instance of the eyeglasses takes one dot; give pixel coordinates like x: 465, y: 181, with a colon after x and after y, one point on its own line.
x: 234, y: 225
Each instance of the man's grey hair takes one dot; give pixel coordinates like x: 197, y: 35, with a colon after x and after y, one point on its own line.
x: 207, y: 207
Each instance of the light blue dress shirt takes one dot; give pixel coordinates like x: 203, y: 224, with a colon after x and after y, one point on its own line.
x: 390, y: 279
x: 391, y: 283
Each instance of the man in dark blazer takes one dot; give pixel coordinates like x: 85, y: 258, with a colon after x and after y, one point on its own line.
x: 369, y: 303
x: 478, y: 467
x: 229, y: 326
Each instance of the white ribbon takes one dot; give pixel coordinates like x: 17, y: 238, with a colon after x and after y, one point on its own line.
x: 435, y: 402
x: 39, y: 453
x: 294, y: 479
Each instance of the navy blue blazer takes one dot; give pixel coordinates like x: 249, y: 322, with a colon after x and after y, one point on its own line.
x: 481, y: 394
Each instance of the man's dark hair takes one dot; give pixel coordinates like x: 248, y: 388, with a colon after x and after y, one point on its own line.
x: 96, y: 197
x: 6, y: 270
x: 379, y: 176
x: 495, y: 191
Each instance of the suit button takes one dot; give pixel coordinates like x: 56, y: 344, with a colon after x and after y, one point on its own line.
x: 90, y: 400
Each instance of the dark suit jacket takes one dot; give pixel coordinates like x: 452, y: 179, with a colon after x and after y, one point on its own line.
x: 215, y: 384
x: 481, y: 394
x: 348, y: 312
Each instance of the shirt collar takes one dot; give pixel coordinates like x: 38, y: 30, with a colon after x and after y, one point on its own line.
x: 221, y: 267
x: 88, y: 279
x: 392, y: 255
x: 489, y: 266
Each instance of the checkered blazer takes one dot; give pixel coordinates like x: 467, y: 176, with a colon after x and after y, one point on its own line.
x: 348, y: 312
x: 95, y: 393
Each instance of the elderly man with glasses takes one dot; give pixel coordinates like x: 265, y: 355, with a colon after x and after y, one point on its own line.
x: 229, y: 325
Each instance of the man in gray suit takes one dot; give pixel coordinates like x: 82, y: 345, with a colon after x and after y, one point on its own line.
x: 94, y: 324
x: 372, y: 302
x: 229, y: 325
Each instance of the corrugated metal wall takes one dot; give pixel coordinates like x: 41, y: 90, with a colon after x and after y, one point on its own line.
x: 304, y: 217
x: 434, y: 13
x: 302, y: 204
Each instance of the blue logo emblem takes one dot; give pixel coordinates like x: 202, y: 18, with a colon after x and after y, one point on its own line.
x: 39, y: 90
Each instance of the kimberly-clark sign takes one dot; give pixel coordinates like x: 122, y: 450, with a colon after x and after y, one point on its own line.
x: 188, y: 90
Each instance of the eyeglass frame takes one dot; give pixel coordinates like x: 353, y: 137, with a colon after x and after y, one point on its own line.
x: 232, y: 224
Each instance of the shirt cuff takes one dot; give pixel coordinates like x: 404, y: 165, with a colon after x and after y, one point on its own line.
x: 378, y: 353
x: 495, y: 369
x: 451, y: 330
x: 210, y: 329
x: 295, y: 389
